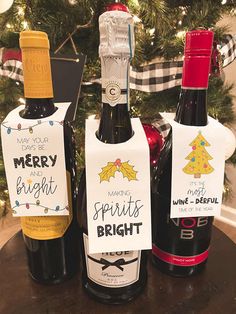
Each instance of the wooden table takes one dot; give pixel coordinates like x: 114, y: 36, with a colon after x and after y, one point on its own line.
x: 211, y: 292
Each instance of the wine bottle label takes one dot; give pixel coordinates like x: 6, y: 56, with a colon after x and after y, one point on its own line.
x: 115, y: 80
x: 51, y: 227
x: 198, y: 159
x: 114, y: 92
x: 179, y: 260
x: 113, y: 270
x: 118, y: 191
x: 34, y: 159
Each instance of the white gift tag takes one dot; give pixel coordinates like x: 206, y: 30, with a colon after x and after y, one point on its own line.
x: 118, y: 192
x: 34, y: 160
x: 198, y: 159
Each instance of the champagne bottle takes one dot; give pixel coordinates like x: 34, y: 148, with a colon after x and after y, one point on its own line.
x: 112, y: 282
x: 187, y: 239
x: 51, y: 242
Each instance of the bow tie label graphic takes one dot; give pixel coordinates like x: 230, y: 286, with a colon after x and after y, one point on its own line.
x: 118, y: 263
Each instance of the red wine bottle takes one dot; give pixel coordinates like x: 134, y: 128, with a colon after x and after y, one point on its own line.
x: 119, y: 276
x: 183, y: 239
x: 52, y: 242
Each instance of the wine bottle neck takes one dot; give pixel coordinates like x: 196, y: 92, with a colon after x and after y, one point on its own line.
x: 115, y: 125
x: 36, y: 108
x: 115, y: 80
x: 192, y: 107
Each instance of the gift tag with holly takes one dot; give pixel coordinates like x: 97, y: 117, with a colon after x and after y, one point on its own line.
x: 118, y: 192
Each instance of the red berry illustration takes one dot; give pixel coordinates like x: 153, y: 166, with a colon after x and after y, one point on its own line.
x: 118, y: 162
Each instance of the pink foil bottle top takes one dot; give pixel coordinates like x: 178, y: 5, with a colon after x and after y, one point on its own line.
x: 197, y: 58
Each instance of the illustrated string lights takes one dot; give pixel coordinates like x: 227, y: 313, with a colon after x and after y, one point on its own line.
x: 30, y: 128
x: 46, y: 208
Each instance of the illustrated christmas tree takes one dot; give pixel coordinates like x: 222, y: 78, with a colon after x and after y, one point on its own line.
x: 198, y: 158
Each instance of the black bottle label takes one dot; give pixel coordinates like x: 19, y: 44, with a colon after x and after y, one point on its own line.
x: 179, y: 260
x: 187, y: 228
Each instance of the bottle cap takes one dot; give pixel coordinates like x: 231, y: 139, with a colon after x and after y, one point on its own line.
x: 197, y: 59
x: 117, y: 6
x: 116, y: 34
x: 36, y: 64
x: 34, y: 39
x: 199, y: 42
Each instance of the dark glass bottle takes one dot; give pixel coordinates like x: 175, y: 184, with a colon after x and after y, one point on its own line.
x: 115, y: 127
x: 188, y: 239
x: 51, y: 258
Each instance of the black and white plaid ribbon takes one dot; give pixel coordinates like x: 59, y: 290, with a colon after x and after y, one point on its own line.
x: 160, y: 76
x: 11, y: 68
x: 228, y: 50
x: 154, y: 77
x: 162, y: 125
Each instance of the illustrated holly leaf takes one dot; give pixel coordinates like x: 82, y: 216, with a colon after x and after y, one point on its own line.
x: 128, y: 172
x: 108, y: 171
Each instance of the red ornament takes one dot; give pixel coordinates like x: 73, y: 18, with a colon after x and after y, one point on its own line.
x: 155, y: 142
x: 194, y: 147
x: 117, y: 7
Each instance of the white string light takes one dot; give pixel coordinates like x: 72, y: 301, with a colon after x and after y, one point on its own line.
x: 136, y: 19
x: 25, y: 25
x: 72, y: 2
x: 181, y: 34
x: 21, y: 100
x: 152, y: 31
x: 20, y: 11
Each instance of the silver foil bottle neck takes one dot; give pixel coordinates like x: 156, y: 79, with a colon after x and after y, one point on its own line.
x: 116, y: 34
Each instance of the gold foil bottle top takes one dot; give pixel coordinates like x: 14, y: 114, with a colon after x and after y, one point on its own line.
x: 34, y: 39
x: 36, y: 64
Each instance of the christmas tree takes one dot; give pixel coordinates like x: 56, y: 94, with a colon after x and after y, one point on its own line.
x: 198, y: 158
x: 160, y: 27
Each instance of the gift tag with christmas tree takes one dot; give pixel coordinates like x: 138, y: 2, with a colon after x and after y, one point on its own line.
x: 198, y: 160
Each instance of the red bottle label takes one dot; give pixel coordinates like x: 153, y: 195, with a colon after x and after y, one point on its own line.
x: 179, y: 260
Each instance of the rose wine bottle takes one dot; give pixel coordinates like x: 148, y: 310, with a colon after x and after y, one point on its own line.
x: 180, y: 245
x: 113, y: 277
x: 51, y: 242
